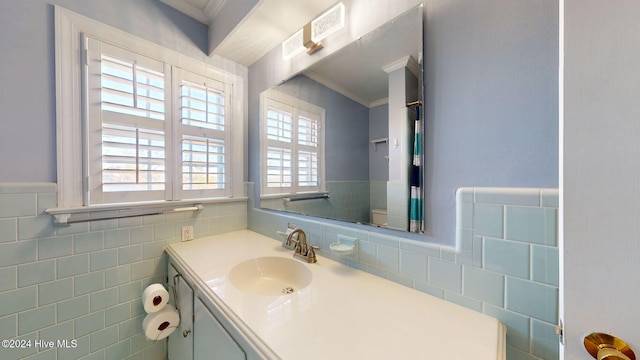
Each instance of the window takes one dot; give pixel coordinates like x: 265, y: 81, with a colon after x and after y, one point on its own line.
x: 133, y: 126
x: 204, y: 136
x: 128, y: 138
x: 292, y: 138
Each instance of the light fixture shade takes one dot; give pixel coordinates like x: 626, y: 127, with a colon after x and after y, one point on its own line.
x: 328, y: 23
x: 293, y: 45
x: 309, y: 37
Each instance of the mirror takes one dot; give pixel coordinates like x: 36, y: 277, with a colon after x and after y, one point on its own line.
x: 352, y: 160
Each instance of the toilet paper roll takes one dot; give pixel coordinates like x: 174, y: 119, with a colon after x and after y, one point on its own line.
x: 159, y: 325
x: 154, y: 298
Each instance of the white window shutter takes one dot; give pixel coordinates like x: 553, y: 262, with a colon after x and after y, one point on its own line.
x: 308, y: 142
x: 204, y: 134
x: 127, y: 128
x: 292, y: 145
x: 120, y: 134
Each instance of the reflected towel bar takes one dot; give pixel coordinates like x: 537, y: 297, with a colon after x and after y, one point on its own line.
x: 307, y: 197
x: 375, y: 142
x: 67, y: 219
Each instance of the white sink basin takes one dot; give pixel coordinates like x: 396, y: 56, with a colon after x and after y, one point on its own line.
x: 270, y: 276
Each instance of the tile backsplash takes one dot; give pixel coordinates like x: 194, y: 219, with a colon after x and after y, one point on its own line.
x: 513, y: 232
x: 84, y: 282
x: 348, y: 200
x: 505, y: 263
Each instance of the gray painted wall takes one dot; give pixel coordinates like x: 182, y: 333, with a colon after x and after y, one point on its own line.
x: 27, y: 78
x: 379, y: 128
x: 491, y: 82
x: 491, y: 91
x: 272, y: 69
x: 346, y: 128
x: 491, y: 100
x: 601, y: 196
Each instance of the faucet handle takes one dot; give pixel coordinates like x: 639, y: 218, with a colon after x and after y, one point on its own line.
x: 311, y: 253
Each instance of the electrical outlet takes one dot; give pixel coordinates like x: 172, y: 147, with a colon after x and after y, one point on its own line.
x: 187, y: 233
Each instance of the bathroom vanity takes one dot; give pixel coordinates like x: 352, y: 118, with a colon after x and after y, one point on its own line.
x: 241, y: 295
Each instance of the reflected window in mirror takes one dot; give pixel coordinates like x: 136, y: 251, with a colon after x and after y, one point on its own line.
x: 364, y: 87
x: 292, y: 139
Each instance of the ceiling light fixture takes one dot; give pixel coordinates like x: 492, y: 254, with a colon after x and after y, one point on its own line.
x: 311, y: 35
x: 308, y: 42
x: 293, y: 45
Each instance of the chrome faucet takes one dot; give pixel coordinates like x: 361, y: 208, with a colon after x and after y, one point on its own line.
x: 301, y: 250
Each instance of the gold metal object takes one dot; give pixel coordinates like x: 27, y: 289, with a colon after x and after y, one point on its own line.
x: 301, y: 250
x: 606, y: 347
x: 558, y: 330
x: 307, y: 42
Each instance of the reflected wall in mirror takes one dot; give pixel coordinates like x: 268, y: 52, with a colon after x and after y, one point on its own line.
x: 338, y: 139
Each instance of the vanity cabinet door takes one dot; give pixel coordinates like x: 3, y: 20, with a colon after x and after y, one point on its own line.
x: 211, y: 340
x: 180, y: 345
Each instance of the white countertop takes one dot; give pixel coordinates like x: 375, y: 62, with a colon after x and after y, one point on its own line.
x: 344, y: 313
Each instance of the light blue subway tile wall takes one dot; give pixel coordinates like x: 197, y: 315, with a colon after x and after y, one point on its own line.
x: 515, y: 235
x: 508, y: 273
x: 518, y: 327
x: 84, y: 282
x: 488, y: 219
x: 414, y: 265
x: 532, y: 224
x: 8, y: 230
x: 445, y: 274
x: 378, y: 194
x: 348, y: 200
x: 507, y: 257
x: 8, y: 278
x: 484, y: 285
x: 504, y: 196
x: 538, y: 301
x: 397, y: 205
x: 546, y: 347
x: 545, y: 265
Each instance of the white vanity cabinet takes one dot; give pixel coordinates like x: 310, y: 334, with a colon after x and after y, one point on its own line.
x: 180, y: 344
x: 211, y: 340
x: 200, y: 335
x: 314, y: 322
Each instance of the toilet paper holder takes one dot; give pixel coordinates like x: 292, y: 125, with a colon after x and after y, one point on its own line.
x: 606, y: 347
x: 174, y: 290
x: 161, y: 319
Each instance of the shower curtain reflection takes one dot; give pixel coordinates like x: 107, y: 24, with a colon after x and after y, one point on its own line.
x: 416, y: 222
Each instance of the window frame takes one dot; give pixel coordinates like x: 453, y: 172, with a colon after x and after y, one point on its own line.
x: 71, y: 31
x: 272, y: 97
x: 182, y: 130
x: 96, y: 117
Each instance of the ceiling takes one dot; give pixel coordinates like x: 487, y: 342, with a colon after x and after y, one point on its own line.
x: 356, y: 71
x: 268, y: 24
x: 201, y: 10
